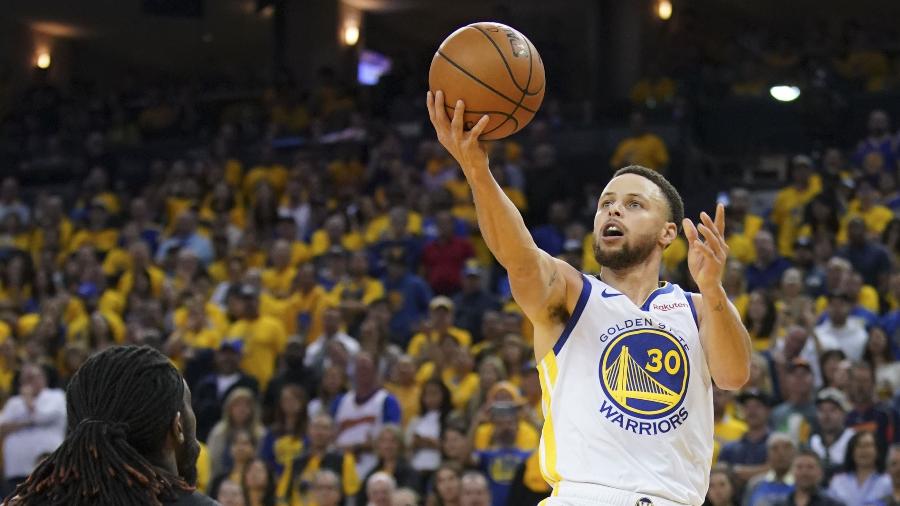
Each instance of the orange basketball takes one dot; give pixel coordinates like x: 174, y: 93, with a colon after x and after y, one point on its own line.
x: 495, y: 70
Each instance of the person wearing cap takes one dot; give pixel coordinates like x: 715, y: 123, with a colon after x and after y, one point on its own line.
x: 263, y: 336
x: 830, y: 439
x: 444, y: 257
x: 500, y: 462
x: 210, y: 392
x: 777, y: 482
x: 868, y: 256
x: 797, y: 413
x: 407, y: 293
x: 473, y: 301
x: 841, y: 330
x: 440, y: 323
x: 747, y: 456
x: 787, y: 210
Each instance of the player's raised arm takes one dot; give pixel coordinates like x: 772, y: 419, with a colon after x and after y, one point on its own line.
x: 726, y: 342
x: 539, y: 282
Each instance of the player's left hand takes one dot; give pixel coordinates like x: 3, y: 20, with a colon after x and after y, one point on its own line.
x: 707, y: 256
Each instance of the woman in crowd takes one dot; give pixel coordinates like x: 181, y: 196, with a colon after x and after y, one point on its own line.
x: 242, y: 448
x: 284, y: 440
x: 863, y: 480
x: 390, y: 451
x: 258, y: 484
x: 240, y: 412
x: 424, y: 431
x: 334, y: 380
x: 722, y: 491
x: 445, y: 487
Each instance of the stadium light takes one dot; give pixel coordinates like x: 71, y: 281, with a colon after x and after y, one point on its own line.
x: 664, y: 9
x: 43, y: 60
x: 784, y: 93
x: 351, y: 34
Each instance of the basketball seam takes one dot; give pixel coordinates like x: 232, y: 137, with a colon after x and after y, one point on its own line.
x: 486, y: 85
x: 506, y: 64
x: 502, y: 113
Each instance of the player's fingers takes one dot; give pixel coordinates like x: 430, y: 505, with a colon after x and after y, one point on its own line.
x: 713, y: 228
x: 690, y: 232
x: 429, y: 104
x: 720, y: 219
x: 456, y: 125
x: 712, y: 242
x: 440, y: 112
x: 479, y: 127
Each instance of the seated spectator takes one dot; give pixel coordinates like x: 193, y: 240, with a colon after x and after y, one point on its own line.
x: 334, y: 233
x: 239, y: 413
x: 283, y: 441
x: 408, y: 296
x: 264, y: 336
x: 361, y: 412
x: 444, y: 257
x: 455, y: 445
x: 333, y: 347
x: 830, y: 439
x: 868, y: 414
x: 769, y: 266
x: 210, y: 392
x: 502, y: 457
x: 721, y: 488
x: 242, y: 447
x: 354, y: 292
x: 379, y: 489
x: 787, y: 210
x: 840, y: 330
x: 440, y: 323
x: 728, y: 428
x: 230, y: 494
x: 868, y: 257
x: 893, y: 469
x: 760, y: 319
x: 777, y: 483
x: 807, y: 472
x: 326, y: 489
x: 258, y: 483
x: 880, y: 356
x: 33, y: 423
x: 473, y: 301
x: 390, y: 452
x: 879, y: 140
x: 331, y: 387
x: 551, y: 236
x: 424, y: 431
x: 641, y: 147
x: 797, y: 414
x: 404, y: 497
x: 474, y: 490
x: 300, y: 478
x: 863, y: 480
x: 747, y: 456
x: 741, y: 226
x: 185, y: 236
x: 445, y: 487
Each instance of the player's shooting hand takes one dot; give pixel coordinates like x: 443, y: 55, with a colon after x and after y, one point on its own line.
x: 707, y: 256
x: 462, y: 145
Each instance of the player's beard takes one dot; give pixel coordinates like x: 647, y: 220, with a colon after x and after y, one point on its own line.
x: 186, y: 458
x: 628, y: 255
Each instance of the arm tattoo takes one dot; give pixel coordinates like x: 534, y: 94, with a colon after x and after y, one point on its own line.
x: 719, y: 307
x: 553, y: 278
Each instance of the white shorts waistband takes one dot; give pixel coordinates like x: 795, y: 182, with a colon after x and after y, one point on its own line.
x: 601, y: 494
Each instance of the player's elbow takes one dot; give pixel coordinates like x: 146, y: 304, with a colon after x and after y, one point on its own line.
x: 733, y: 378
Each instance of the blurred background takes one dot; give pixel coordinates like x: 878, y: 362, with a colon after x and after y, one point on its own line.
x: 253, y: 187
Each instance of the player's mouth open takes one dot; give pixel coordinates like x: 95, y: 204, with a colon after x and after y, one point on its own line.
x: 611, y: 232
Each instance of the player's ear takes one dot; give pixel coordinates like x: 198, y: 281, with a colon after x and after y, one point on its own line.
x: 668, y: 234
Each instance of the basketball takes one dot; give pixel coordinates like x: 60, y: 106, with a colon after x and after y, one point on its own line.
x: 495, y: 70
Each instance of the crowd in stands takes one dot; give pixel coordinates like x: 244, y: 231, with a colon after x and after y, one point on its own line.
x: 320, y: 281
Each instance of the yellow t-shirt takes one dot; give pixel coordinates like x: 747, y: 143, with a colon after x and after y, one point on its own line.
x: 350, y: 482
x: 527, y: 437
x: 380, y: 224
x: 279, y: 281
x: 305, y: 308
x: 79, y: 329
x: 876, y: 218
x: 103, y: 240
x: 264, y: 339
x: 321, y: 243
x: 369, y: 290
x: 462, y: 387
x: 276, y: 175
x: 419, y: 341
x: 408, y: 398
x: 867, y: 298
x: 728, y: 430
x: 647, y: 150
x: 787, y: 212
x: 157, y: 279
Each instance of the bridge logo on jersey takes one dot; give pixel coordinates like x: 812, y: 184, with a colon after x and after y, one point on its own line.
x: 644, y: 373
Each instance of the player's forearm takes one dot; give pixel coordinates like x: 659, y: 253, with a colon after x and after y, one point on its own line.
x: 501, y: 224
x: 725, y: 340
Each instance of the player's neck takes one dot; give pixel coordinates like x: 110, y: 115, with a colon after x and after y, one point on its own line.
x: 636, y: 282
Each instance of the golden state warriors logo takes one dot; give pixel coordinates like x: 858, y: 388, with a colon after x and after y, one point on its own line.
x: 644, y: 372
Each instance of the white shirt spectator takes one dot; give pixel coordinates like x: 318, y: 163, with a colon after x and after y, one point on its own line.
x: 850, y: 338
x: 317, y: 352
x: 427, y: 426
x: 44, y: 432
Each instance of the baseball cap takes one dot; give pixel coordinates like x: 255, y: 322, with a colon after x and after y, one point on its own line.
x: 835, y: 396
x: 248, y: 290
x: 441, y: 301
x: 572, y: 246
x: 802, y: 160
x: 235, y: 345
x: 756, y: 394
x: 472, y: 268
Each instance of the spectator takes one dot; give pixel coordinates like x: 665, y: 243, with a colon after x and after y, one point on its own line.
x: 831, y: 439
x: 259, y: 484
x: 769, y: 266
x: 404, y: 497
x: 473, y: 301
x: 291, y: 372
x: 728, y: 428
x: 474, y: 490
x: 333, y: 347
x: 879, y: 141
x: 747, y: 456
x: 445, y: 488
x: 242, y: 447
x: 721, y: 488
x: 379, y: 489
x: 32, y: 423
x: 893, y: 468
x: 528, y: 485
x: 300, y: 478
x: 444, y: 258
x: 841, y: 330
x: 500, y: 461
x: 10, y: 201
x: 185, y: 236
x: 354, y: 292
x: 264, y: 337
x: 439, y: 325
x: 326, y: 489
x: 868, y: 414
x: 408, y: 296
x: 640, y: 148
x: 807, y: 472
x: 787, y: 210
x: 332, y: 386
x: 361, y: 412
x: 760, y: 319
x: 741, y: 225
x: 551, y: 236
x: 211, y: 392
x: 863, y: 480
x: 797, y: 414
x: 239, y: 413
x: 424, y: 431
x: 230, y: 494
x: 878, y: 354
x: 390, y: 451
x: 283, y: 441
x: 868, y: 257
x: 777, y: 483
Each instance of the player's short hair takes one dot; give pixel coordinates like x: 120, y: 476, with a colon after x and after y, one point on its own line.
x: 676, y: 205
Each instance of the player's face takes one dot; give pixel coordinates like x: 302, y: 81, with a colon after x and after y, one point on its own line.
x: 187, y: 452
x: 631, y: 222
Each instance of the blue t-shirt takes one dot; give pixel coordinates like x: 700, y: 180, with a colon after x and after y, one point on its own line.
x: 408, y: 298
x: 499, y: 466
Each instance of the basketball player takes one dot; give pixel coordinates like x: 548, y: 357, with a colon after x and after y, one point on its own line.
x: 626, y: 363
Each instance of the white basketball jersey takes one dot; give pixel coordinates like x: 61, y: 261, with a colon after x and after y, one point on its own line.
x: 627, y: 396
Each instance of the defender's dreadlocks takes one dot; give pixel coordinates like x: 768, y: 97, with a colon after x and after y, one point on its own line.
x: 120, y: 406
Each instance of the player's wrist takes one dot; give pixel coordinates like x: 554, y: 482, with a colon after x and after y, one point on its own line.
x: 713, y: 292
